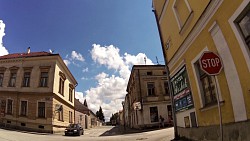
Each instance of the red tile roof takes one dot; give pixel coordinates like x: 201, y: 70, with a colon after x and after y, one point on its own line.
x: 25, y: 55
x: 80, y: 107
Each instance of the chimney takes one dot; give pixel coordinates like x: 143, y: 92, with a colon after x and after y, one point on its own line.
x: 28, y: 50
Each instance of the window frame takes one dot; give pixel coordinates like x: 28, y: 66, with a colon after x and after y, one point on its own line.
x: 156, y: 118
x: 26, y: 84
x: 70, y: 94
x: 60, y: 114
x: 182, y: 24
x: 12, y: 80
x: 43, y: 115
x: 232, y: 21
x: 70, y: 117
x: 202, y: 76
x: 166, y: 88
x: 198, y: 83
x: 44, y: 80
x: 9, y: 111
x: 1, y: 79
x: 21, y: 112
x: 151, y: 91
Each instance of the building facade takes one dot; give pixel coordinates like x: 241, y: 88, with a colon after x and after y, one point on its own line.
x: 148, y: 96
x: 36, y: 92
x: 187, y: 29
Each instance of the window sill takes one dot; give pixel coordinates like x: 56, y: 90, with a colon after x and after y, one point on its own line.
x: 41, y: 117
x: 214, y: 105
x: 25, y: 116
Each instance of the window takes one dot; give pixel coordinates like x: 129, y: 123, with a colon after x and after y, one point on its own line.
x: 70, y: 95
x: 151, y: 88
x: 166, y: 88
x: 60, y: 113
x: 26, y: 79
x: 149, y: 73
x: 182, y: 12
x: 1, y: 79
x: 208, y: 87
x: 61, y: 86
x: 12, y: 82
x: 9, y: 106
x: 70, y: 117
x: 61, y: 82
x: 41, y: 109
x: 44, y: 79
x: 244, y: 25
x: 23, y: 109
x: 154, y: 114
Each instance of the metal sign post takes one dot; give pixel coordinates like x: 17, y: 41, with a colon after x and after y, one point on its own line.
x: 212, y: 65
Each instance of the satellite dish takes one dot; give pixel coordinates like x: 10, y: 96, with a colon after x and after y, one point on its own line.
x: 51, y: 51
x: 58, y: 107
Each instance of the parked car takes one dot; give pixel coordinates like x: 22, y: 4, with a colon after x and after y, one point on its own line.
x: 74, y: 129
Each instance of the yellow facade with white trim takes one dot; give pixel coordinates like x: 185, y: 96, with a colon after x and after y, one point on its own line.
x: 209, y: 26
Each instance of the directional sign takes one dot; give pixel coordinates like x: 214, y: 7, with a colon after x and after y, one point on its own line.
x: 210, y: 63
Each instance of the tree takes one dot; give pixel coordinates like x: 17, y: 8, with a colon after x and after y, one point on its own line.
x: 100, y: 114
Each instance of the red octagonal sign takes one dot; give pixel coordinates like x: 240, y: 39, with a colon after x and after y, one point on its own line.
x: 210, y: 63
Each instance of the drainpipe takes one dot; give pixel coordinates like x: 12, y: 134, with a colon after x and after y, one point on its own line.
x: 176, y: 136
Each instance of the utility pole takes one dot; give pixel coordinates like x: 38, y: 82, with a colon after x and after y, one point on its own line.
x: 176, y: 136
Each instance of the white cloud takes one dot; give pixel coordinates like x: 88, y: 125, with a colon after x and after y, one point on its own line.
x: 85, y: 69
x: 77, y: 56
x: 67, y: 62
x: 3, y: 50
x: 85, y: 78
x: 79, y: 95
x: 111, y: 90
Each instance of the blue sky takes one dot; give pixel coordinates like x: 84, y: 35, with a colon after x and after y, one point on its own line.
x: 99, y: 40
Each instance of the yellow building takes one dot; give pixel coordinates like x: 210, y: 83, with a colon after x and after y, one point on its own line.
x: 36, y: 92
x: 187, y: 29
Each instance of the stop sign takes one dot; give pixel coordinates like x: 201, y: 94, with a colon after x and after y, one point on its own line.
x: 210, y: 63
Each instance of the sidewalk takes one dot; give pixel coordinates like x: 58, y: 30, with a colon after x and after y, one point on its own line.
x: 126, y: 130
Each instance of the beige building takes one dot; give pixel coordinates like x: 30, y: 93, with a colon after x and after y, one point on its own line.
x: 147, y: 97
x: 37, y: 92
x: 84, y: 116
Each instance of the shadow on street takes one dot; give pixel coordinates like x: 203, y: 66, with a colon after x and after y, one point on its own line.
x: 119, y: 130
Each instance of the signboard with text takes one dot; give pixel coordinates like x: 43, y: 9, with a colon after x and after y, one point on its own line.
x: 181, y: 90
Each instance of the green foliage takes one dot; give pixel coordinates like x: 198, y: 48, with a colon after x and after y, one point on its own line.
x: 100, y: 114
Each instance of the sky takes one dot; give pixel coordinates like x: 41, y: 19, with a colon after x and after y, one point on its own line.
x: 99, y: 41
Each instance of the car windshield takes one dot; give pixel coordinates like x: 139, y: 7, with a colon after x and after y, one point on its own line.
x: 73, y: 126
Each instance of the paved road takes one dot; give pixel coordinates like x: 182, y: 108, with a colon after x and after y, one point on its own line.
x: 105, y: 133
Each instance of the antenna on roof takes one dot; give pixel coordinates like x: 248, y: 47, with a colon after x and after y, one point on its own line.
x: 157, y: 60
x: 28, y: 50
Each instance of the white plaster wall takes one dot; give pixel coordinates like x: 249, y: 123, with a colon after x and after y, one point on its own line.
x: 180, y: 117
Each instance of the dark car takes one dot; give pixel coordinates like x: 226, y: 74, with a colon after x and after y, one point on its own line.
x: 74, y: 129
